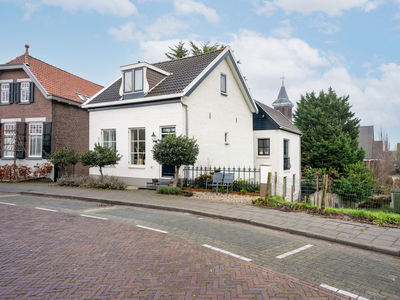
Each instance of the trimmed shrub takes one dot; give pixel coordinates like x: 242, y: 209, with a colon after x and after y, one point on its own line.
x: 109, y: 182
x: 168, y: 190
x: 72, y: 180
x: 186, y: 193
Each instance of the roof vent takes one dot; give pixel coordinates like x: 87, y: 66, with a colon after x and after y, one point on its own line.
x: 26, y: 55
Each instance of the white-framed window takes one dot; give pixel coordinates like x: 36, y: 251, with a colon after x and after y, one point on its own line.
x: 109, y: 138
x: 138, y: 146
x: 128, y: 81
x: 9, y: 138
x: 25, y: 92
x: 35, y: 139
x: 133, y: 80
x: 223, y: 83
x: 5, y: 93
x: 138, y: 80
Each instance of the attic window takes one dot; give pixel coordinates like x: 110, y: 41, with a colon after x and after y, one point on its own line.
x: 80, y: 96
x: 133, y: 80
x: 223, y: 83
x: 86, y: 97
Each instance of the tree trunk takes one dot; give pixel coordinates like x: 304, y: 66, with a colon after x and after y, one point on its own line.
x: 176, y: 178
x: 101, y: 174
x: 324, y: 188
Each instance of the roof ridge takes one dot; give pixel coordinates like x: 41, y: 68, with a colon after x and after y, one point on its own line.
x: 186, y: 57
x: 55, y: 68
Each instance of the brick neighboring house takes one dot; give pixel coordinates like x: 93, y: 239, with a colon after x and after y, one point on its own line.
x: 43, y: 103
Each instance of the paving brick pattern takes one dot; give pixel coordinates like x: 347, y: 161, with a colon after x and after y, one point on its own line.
x: 47, y: 255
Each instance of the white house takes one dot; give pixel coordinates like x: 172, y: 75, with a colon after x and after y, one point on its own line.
x: 277, y: 144
x: 203, y: 96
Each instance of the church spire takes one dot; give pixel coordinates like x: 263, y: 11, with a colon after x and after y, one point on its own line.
x: 283, y: 78
x: 282, y: 103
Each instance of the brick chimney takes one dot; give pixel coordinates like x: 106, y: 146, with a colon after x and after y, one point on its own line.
x: 26, y: 55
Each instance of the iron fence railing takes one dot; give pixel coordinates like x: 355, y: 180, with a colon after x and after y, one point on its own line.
x: 246, y: 179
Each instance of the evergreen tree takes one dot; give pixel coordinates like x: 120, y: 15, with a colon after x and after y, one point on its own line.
x: 178, y: 51
x: 330, y: 131
x: 204, y: 47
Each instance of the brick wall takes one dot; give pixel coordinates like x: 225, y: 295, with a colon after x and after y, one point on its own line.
x: 71, y: 128
x: 153, y: 77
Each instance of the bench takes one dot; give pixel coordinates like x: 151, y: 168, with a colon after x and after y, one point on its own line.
x: 217, y: 181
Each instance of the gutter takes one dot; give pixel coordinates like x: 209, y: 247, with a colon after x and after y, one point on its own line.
x: 187, y: 117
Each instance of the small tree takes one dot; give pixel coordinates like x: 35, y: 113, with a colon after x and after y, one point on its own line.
x: 100, y: 156
x: 178, y: 51
x: 64, y: 157
x: 176, y: 151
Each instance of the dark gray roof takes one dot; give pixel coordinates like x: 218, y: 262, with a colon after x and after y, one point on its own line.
x: 366, y: 140
x: 283, y: 122
x: 183, y: 70
x: 283, y: 99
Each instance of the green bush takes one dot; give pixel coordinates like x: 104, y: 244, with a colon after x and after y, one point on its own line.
x: 245, y: 186
x: 109, y: 182
x: 168, y: 190
x: 356, y: 185
x: 72, y: 180
x: 200, y: 181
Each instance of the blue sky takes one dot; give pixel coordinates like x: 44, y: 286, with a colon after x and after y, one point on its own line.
x: 350, y: 45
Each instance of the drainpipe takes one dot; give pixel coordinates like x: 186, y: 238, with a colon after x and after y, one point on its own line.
x: 187, y: 117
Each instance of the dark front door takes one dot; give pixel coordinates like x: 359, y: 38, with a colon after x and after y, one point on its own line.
x: 167, y: 171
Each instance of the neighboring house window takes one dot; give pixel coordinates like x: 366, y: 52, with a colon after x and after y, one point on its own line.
x: 5, y: 93
x: 133, y: 81
x: 138, y: 146
x: 35, y: 139
x: 110, y: 138
x: 9, y: 138
x: 166, y: 130
x: 263, y: 147
x: 223, y: 83
x: 24, y: 92
x: 226, y: 138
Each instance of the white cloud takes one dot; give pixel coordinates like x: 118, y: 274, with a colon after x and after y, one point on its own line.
x: 187, y: 7
x: 165, y: 26
x: 124, y: 33
x: 122, y: 8
x: 30, y: 7
x: 284, y: 31
x: 322, y: 26
x: 330, y: 7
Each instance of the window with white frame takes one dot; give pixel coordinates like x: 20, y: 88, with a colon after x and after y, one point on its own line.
x: 9, y: 138
x: 138, y: 146
x: 138, y: 86
x: 223, y: 83
x: 5, y: 93
x: 35, y: 139
x: 109, y: 138
x: 24, y: 92
x: 133, y: 80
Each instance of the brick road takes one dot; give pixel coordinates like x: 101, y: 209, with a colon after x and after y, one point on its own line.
x: 47, y: 255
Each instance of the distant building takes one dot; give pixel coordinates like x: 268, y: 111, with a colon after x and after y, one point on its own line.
x: 373, y: 149
x: 282, y: 103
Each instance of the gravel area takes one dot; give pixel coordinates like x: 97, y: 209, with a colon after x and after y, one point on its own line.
x: 234, y: 198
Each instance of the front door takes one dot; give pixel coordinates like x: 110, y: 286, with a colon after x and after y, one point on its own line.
x: 167, y: 171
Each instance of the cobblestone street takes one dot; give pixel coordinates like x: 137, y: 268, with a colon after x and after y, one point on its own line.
x: 50, y: 255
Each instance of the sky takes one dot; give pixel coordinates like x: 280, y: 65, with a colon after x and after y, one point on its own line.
x: 352, y: 46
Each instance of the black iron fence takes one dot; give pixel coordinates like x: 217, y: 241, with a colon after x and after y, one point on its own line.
x: 246, y: 179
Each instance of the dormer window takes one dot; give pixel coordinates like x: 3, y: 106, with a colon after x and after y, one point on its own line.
x: 133, y: 80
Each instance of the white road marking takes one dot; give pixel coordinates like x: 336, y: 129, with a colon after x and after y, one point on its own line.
x: 94, y: 217
x: 9, y: 195
x: 342, y: 292
x: 151, y: 229
x: 100, y: 209
x: 294, y: 251
x: 7, y: 203
x: 227, y: 252
x: 46, y: 209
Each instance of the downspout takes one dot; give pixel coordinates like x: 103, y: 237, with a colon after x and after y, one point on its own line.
x: 186, y: 116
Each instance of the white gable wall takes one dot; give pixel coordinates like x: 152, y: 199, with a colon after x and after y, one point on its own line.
x: 275, y: 159
x: 229, y: 113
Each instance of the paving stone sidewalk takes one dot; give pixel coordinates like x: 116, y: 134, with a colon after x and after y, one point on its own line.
x: 365, y: 236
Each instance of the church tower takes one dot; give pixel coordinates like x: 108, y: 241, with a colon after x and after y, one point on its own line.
x: 282, y: 103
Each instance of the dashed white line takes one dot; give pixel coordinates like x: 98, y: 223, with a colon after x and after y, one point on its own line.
x: 94, y: 217
x: 151, y: 229
x: 342, y: 292
x: 46, y: 209
x: 227, y: 252
x: 9, y: 195
x: 7, y: 203
x: 294, y: 251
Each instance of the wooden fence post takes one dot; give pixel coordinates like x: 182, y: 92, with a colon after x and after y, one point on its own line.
x: 324, y: 188
x: 292, y: 193
x: 268, y: 188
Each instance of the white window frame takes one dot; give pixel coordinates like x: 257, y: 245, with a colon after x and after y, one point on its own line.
x: 25, y: 86
x: 135, y: 149
x: 108, y: 143
x: 137, y: 83
x: 223, y: 88
x: 5, y: 92
x: 35, y: 131
x: 9, y: 134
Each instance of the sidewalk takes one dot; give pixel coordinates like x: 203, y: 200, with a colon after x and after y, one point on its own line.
x: 369, y: 237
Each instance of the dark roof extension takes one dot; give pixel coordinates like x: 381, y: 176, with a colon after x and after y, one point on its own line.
x: 184, y: 71
x: 279, y: 118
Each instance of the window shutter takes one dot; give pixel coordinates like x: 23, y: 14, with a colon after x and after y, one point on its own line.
x: 21, y: 139
x: 17, y: 92
x: 31, y: 89
x: 46, y: 139
x: 11, y: 91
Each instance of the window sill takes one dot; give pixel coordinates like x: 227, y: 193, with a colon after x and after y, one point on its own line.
x: 8, y: 158
x: 5, y: 103
x: 142, y: 167
x: 34, y: 158
x: 263, y: 156
x: 286, y: 171
x: 224, y: 94
x: 24, y: 103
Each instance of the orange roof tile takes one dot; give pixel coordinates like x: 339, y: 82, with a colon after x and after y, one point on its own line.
x: 58, y: 82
